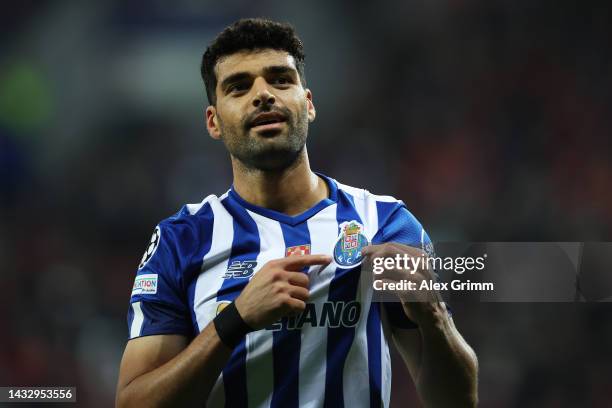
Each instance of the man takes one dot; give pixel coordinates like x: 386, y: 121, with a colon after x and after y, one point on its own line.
x: 254, y: 298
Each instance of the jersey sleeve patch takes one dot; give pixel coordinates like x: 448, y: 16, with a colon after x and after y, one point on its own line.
x: 158, y: 302
x: 145, y: 284
x: 151, y: 248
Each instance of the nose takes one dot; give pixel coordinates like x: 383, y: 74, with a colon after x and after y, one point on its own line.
x: 262, y: 94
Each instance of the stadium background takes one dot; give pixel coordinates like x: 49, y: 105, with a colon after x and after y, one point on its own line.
x: 490, y: 119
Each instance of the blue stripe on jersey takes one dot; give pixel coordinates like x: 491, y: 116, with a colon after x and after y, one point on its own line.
x: 206, y: 221
x: 161, y: 318
x: 384, y: 210
x: 130, y: 317
x: 245, y: 247
x: 342, y: 288
x: 374, y: 354
x: 287, y: 343
x: 397, y: 224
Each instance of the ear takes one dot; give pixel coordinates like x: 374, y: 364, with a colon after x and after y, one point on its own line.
x: 312, y: 113
x: 212, y: 122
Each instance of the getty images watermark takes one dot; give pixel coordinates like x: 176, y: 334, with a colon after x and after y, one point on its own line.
x: 406, y: 266
x: 491, y: 272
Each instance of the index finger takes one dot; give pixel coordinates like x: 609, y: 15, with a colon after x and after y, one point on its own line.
x: 298, y: 262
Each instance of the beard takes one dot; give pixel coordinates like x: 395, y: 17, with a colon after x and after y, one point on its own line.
x: 267, y: 152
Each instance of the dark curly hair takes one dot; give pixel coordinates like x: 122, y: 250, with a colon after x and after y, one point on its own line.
x: 250, y: 34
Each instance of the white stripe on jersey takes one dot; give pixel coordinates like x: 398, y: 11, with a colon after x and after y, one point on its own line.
x: 385, y: 367
x: 385, y: 334
x: 259, y: 359
x: 137, y: 321
x: 217, y: 394
x: 323, y: 229
x: 214, y: 266
x: 194, y: 208
x: 357, y: 359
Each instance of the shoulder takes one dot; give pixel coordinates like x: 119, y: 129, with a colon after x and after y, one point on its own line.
x: 361, y: 194
x: 191, y: 218
x: 192, y: 213
x: 394, y: 220
x: 176, y: 237
x: 386, y: 207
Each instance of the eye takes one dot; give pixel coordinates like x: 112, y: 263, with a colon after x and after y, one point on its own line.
x: 281, y: 81
x: 237, y: 87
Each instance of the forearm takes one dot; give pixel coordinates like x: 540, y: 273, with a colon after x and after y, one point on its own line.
x: 185, y: 380
x: 448, y: 372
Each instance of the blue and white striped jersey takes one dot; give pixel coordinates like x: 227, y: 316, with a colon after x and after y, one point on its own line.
x: 336, y: 352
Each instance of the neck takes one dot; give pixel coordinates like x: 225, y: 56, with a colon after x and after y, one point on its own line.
x: 291, y: 191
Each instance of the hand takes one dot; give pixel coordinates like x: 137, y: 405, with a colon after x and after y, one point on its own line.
x: 279, y: 289
x: 421, y: 306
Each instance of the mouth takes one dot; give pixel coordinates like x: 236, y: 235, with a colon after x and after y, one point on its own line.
x: 268, y: 121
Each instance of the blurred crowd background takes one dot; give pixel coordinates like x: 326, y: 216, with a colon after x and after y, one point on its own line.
x: 490, y: 119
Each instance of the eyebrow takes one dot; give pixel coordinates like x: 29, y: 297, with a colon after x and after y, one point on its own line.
x: 279, y: 69
x: 273, y: 69
x: 238, y: 76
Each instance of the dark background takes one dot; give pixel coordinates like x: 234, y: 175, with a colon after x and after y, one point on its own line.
x: 490, y: 119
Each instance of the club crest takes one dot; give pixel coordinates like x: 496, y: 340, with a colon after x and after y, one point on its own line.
x: 347, y: 251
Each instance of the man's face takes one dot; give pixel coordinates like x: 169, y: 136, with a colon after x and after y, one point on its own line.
x: 262, y: 110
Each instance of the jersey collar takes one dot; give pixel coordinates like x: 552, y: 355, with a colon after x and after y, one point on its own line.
x: 284, y: 218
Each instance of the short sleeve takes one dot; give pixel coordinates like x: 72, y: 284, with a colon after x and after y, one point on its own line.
x: 399, y: 225
x: 158, y: 304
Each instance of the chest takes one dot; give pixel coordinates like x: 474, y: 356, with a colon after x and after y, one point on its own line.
x: 231, y: 263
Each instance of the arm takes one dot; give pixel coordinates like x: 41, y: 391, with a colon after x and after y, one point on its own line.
x: 443, y: 366
x: 439, y: 359
x: 164, y: 370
